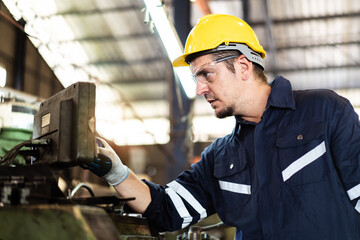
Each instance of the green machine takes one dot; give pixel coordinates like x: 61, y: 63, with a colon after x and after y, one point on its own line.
x: 16, y: 125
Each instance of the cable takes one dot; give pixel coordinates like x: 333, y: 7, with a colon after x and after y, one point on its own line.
x: 81, y: 185
x: 12, y: 153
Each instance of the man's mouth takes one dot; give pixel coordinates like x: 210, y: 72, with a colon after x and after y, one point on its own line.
x: 212, y: 102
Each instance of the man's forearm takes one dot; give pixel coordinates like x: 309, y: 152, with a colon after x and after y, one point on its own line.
x: 132, y: 186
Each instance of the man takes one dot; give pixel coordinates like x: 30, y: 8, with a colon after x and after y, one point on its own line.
x: 289, y: 170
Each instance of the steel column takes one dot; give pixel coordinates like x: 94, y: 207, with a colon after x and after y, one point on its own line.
x: 180, y: 105
x: 19, y: 63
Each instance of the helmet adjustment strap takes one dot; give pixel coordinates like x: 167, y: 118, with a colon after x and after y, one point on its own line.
x: 241, y: 47
x: 244, y: 49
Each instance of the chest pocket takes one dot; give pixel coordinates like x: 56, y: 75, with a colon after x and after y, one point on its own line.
x: 233, y: 176
x: 302, y: 151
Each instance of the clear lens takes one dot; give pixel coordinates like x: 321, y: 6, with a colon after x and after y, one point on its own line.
x: 207, y: 75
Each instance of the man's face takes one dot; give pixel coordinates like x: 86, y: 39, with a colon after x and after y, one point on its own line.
x: 217, y: 84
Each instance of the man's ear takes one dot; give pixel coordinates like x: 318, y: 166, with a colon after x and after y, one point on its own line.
x: 244, y: 66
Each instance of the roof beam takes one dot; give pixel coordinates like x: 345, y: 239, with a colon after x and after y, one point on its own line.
x: 301, y: 19
x: 108, y: 38
x: 136, y: 81
x: 127, y: 63
x: 128, y: 95
x: 328, y: 67
x: 93, y: 11
x: 316, y: 45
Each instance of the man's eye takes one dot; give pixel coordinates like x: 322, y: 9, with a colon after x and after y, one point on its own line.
x: 203, y: 74
x: 208, y: 75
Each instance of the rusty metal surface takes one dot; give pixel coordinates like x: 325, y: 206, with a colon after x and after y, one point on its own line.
x: 59, y: 222
x: 37, y: 222
x: 131, y: 226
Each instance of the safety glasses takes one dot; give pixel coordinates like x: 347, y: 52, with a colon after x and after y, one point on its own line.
x: 205, y: 73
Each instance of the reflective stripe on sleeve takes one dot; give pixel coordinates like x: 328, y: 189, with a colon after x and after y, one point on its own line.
x: 180, y: 207
x: 354, y: 192
x: 185, y: 194
x: 357, y: 207
x: 235, y: 187
x: 305, y: 160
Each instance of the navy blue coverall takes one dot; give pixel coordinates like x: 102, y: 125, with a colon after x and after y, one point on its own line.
x: 295, y: 175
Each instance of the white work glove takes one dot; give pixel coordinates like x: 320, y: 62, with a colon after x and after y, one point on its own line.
x: 108, y: 164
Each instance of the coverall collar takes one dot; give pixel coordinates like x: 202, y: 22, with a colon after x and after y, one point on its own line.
x: 281, y: 96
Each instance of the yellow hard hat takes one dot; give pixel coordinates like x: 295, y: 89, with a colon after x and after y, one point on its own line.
x: 222, y: 32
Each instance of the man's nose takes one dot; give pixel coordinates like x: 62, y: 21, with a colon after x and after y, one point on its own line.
x: 201, y: 88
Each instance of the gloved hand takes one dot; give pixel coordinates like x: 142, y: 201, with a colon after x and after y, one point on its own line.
x: 108, y: 165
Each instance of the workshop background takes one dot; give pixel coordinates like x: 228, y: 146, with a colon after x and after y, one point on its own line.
x: 154, y: 122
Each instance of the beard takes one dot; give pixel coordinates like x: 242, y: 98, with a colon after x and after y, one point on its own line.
x: 227, y: 112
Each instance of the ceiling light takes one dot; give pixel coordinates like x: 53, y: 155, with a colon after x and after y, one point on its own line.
x: 171, y: 42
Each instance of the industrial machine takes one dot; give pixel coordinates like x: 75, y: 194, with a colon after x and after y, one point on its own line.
x: 32, y: 206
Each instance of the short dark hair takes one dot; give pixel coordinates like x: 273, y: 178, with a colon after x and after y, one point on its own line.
x: 258, y: 70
